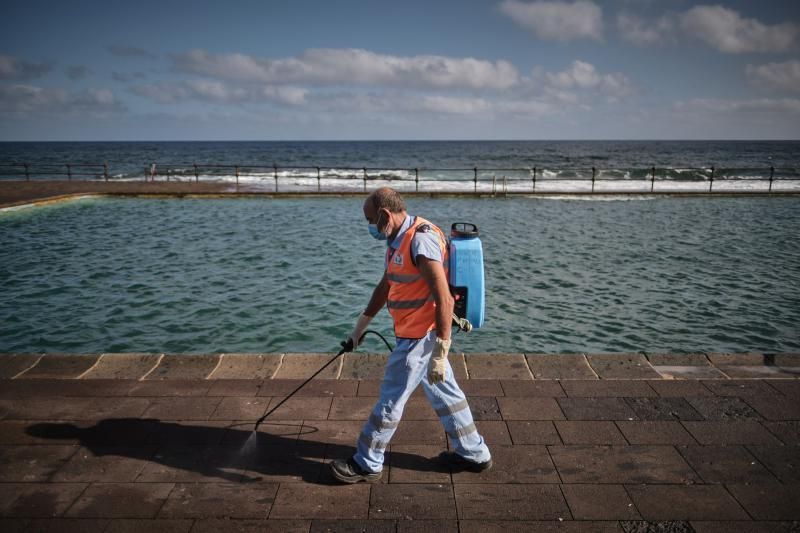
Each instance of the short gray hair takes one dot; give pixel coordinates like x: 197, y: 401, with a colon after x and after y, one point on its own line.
x: 387, y: 198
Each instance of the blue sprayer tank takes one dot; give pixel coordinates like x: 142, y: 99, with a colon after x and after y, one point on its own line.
x: 466, y: 272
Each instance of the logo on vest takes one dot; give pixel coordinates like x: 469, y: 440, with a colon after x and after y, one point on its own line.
x: 398, y: 259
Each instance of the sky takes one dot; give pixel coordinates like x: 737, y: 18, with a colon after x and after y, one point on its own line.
x: 373, y: 70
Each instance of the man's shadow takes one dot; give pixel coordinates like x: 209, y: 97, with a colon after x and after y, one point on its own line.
x: 231, y: 453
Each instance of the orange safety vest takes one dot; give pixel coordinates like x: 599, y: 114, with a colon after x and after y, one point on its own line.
x: 410, y: 299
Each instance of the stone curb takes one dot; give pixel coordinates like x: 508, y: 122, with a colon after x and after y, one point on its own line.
x: 369, y: 366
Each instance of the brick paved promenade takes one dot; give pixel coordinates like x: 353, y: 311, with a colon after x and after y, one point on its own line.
x: 626, y: 442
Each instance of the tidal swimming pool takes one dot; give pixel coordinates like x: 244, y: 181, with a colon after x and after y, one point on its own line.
x: 291, y: 275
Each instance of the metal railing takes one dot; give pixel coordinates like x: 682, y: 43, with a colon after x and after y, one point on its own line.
x: 501, y: 178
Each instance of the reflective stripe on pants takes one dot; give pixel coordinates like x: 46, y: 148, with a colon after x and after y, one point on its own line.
x: 406, y: 368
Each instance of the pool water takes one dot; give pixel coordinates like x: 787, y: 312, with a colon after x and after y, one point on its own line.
x: 291, y: 275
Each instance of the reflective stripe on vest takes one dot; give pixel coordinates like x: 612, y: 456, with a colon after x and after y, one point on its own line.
x: 410, y: 301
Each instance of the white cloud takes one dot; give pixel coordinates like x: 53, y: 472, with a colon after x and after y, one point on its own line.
x: 353, y: 67
x: 641, y: 32
x: 14, y: 69
x: 77, y: 72
x: 217, y: 91
x: 758, y: 105
x: 557, y: 21
x: 27, y: 99
x: 780, y: 76
x: 727, y: 31
x: 581, y: 75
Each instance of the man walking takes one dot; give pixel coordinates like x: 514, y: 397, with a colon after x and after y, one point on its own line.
x: 414, y: 287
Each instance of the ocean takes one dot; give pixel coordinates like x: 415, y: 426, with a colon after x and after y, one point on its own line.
x: 564, y: 274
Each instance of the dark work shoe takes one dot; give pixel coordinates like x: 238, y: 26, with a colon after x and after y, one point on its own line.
x: 456, y: 463
x: 350, y: 472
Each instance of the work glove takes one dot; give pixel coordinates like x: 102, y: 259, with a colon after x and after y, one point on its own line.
x: 358, y: 331
x: 438, y: 363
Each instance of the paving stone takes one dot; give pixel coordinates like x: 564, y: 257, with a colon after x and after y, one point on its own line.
x: 304, y: 365
x: 32, y: 463
x: 678, y: 359
x: 484, y: 408
x: 283, y: 432
x: 723, y: 408
x: 494, y: 432
x: 782, y: 461
x: 37, y: 500
x: 303, y: 408
x: 710, y: 526
x: 419, y: 432
x: 740, y: 387
x: 458, y: 362
x: 248, y: 408
x: 417, y: 464
x: 412, y: 501
x: 13, y: 364
x: 324, y: 387
x: 182, y: 408
x: 121, y: 500
x: 74, y: 408
x: 561, y: 366
x: 622, y: 366
x: 787, y: 432
x: 482, y: 387
x: 364, y: 366
x: 775, y: 406
x: 148, y: 525
x: 331, y: 431
x: 662, y: 409
x: 730, y: 432
x: 427, y: 526
x: 599, y: 502
x: 655, y: 432
x: 596, y: 409
x: 188, y: 432
x: 295, y: 500
x: 732, y: 359
x: 246, y: 366
x: 418, y: 409
x: 535, y: 388
x: 281, y: 463
x: 691, y: 502
x: 758, y: 372
x: 122, y: 366
x: 621, y: 464
x: 668, y: 388
x: 790, y: 389
x: 200, y: 463
x: 526, y: 526
x: 604, y: 389
x: 351, y: 408
x: 533, y: 432
x: 171, y: 387
x: 689, y: 372
x: 769, y: 501
x: 105, y: 464
x: 725, y: 464
x: 66, y: 525
x: 182, y: 366
x: 510, y: 502
x: 60, y: 367
x: 589, y: 432
x: 656, y: 526
x: 224, y: 525
x: 219, y: 500
x: 497, y: 366
x: 355, y: 526
x: 514, y: 464
x: 529, y: 408
x: 234, y: 387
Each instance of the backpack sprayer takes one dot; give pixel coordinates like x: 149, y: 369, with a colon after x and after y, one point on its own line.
x: 466, y: 285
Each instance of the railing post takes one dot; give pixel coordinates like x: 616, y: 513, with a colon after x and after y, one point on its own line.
x: 534, y: 179
x: 653, y: 179
x: 594, y: 172
x: 236, y: 169
x: 275, y: 173
x: 105, y: 170
x: 196, y: 174
x: 475, y: 178
x: 711, y: 180
x: 69, y: 172
x: 416, y: 179
x: 494, y: 184
x: 27, y: 172
x: 505, y: 186
x: 319, y: 181
x: 365, y: 179
x: 771, y: 176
